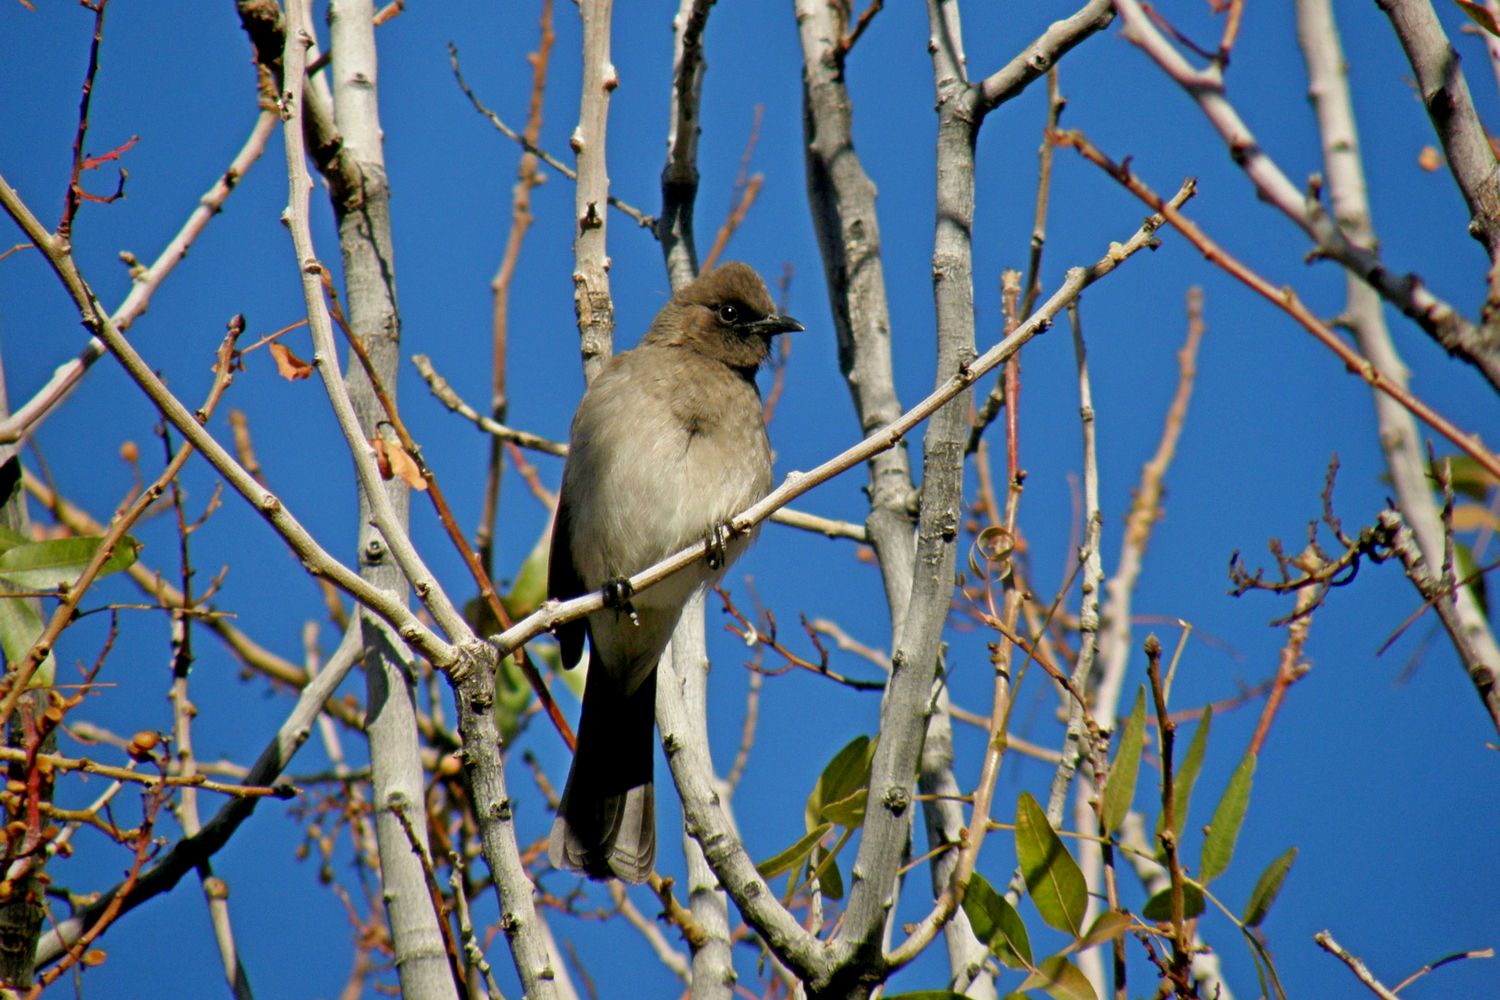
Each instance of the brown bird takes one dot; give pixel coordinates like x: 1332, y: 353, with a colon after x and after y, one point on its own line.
x: 668, y: 444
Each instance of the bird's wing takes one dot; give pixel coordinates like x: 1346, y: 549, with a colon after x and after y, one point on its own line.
x: 565, y: 583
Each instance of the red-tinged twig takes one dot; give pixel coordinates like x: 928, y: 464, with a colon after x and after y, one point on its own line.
x: 746, y: 189
x: 1290, y: 668
x: 1177, y: 971
x: 1010, y: 287
x: 74, y: 196
x: 1055, y: 104
x: 248, y: 651
x: 17, y: 248
x: 1145, y: 511
x: 1006, y: 679
x: 79, y: 950
x: 529, y: 476
x: 1158, y: 19
x: 274, y: 336
x: 1285, y: 299
x: 1234, y: 9
x: 444, y: 513
x: 752, y: 633
x: 144, y: 283
x: 84, y: 765
x: 527, y: 178
x: 20, y: 674
x: 389, y: 12
x: 735, y: 218
x: 860, y: 25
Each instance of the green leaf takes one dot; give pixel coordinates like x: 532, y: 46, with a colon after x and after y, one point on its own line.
x: 1052, y: 876
x: 825, y: 866
x: 1480, y: 15
x: 1267, y: 887
x: 1159, y: 906
x: 1187, y: 774
x: 20, y: 626
x: 793, y: 856
x: 10, y: 539
x: 58, y: 561
x: 849, y: 811
x: 1265, y: 969
x: 1224, y: 828
x: 848, y: 772
x: 928, y: 995
x: 1061, y: 980
x: 997, y: 924
x: 1466, y: 474
x: 1106, y: 927
x: 513, y: 695
x: 1119, y: 791
x: 529, y: 588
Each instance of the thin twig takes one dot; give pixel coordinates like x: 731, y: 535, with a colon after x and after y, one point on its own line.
x: 144, y: 283
x: 1285, y: 299
x: 20, y: 673
x: 1406, y: 292
x: 527, y: 178
x: 445, y: 516
x: 642, y: 219
x: 1361, y: 972
x: 746, y: 188
x: 1145, y: 511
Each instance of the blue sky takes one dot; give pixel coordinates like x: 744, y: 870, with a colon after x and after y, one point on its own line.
x: 1384, y: 785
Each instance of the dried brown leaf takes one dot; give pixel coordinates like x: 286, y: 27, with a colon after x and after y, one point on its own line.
x: 288, y: 365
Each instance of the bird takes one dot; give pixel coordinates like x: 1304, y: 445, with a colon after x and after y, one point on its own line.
x: 667, y: 445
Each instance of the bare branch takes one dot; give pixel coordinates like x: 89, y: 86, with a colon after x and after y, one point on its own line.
x: 591, y: 298
x: 1287, y: 301
x: 1406, y: 292
x: 679, y: 178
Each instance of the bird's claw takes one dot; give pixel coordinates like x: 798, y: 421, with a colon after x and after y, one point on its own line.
x: 617, y: 594
x: 716, y: 545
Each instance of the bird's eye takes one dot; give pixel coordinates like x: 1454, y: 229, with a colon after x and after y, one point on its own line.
x: 729, y: 314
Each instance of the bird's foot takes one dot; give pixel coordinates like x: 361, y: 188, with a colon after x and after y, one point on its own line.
x: 617, y: 594
x: 716, y: 545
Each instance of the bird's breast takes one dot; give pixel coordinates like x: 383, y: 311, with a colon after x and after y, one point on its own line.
x: 652, y: 480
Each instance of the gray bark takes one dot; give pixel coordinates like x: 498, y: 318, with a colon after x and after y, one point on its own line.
x: 364, y: 225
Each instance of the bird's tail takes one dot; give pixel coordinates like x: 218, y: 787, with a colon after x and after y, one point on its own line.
x: 606, y: 822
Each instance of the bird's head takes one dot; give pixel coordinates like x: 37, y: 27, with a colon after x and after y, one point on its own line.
x: 726, y: 314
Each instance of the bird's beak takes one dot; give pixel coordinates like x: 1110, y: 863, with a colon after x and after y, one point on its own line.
x: 776, y: 324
